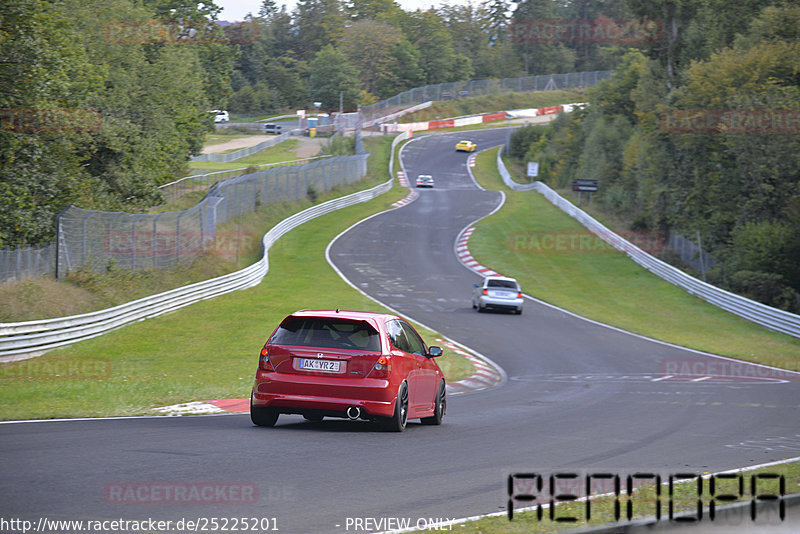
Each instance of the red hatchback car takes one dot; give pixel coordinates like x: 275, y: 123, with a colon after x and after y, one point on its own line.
x: 357, y: 365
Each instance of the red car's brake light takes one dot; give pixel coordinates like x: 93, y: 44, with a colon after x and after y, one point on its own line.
x: 263, y: 361
x: 519, y: 294
x: 382, y: 368
x: 485, y: 291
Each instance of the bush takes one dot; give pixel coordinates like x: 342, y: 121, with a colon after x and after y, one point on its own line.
x: 522, y: 139
x: 768, y: 288
x: 312, y: 194
x: 253, y: 100
x: 764, y: 246
x: 340, y: 145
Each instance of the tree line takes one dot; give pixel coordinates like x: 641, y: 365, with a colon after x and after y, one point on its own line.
x: 102, y: 102
x: 699, y: 132
x: 353, y: 53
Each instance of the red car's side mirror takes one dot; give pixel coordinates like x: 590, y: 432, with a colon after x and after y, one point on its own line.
x: 434, y: 352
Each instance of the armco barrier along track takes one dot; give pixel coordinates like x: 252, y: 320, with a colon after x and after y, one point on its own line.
x: 772, y: 318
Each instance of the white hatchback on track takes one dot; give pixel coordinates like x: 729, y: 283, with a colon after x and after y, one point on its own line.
x: 497, y: 293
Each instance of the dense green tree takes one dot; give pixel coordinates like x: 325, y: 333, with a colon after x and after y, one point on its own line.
x: 497, y: 14
x: 407, y: 72
x: 369, y: 9
x: 708, y: 145
x: 331, y: 75
x: 539, y: 57
x: 41, y: 160
x: 468, y: 26
x: 123, y: 108
x: 319, y: 23
x: 438, y: 58
x: 370, y: 46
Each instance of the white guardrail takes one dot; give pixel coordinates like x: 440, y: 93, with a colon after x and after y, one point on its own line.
x: 767, y: 316
x: 25, y: 338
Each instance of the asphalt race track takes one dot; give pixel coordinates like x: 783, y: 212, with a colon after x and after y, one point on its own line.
x: 579, y: 398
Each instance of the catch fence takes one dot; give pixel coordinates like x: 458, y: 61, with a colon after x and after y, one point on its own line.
x: 201, y: 182
x: 690, y: 253
x: 100, y: 240
x: 23, y: 263
x: 243, y: 152
x: 373, y: 114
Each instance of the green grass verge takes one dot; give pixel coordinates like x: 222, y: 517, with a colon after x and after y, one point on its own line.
x: 208, y: 350
x: 685, y: 499
x: 219, y: 138
x: 281, y: 152
x: 491, y: 103
x: 557, y: 260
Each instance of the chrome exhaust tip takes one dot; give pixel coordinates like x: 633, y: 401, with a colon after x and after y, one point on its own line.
x: 353, y: 412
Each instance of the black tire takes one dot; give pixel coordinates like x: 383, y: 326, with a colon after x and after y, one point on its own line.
x: 519, y: 311
x: 261, y: 415
x: 440, y: 408
x: 398, y: 421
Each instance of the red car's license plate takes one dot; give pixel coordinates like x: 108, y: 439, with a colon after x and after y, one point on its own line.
x: 319, y: 365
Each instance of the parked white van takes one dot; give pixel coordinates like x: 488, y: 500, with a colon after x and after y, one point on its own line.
x: 220, y: 116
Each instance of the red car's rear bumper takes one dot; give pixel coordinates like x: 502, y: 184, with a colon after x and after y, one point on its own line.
x: 294, y: 393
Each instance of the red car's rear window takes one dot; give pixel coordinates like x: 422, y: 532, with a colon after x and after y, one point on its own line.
x: 327, y: 333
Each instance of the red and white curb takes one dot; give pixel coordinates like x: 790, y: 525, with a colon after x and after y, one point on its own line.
x: 471, y: 160
x: 206, y: 407
x: 462, y: 252
x: 412, y: 194
x: 485, y: 376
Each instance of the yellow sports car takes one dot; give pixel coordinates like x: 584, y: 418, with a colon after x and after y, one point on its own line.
x: 465, y: 146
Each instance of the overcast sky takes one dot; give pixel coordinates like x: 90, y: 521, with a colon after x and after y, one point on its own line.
x: 237, y: 9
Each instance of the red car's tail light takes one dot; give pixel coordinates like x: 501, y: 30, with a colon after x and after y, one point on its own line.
x: 382, y: 368
x: 485, y: 291
x: 519, y: 294
x: 263, y: 361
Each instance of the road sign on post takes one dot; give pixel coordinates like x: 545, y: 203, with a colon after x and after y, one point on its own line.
x: 584, y: 185
x: 533, y: 169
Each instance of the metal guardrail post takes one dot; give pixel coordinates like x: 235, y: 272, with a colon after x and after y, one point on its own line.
x: 83, y: 237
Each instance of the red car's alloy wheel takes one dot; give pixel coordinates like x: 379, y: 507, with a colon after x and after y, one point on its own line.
x: 397, y: 423
x: 439, y: 410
